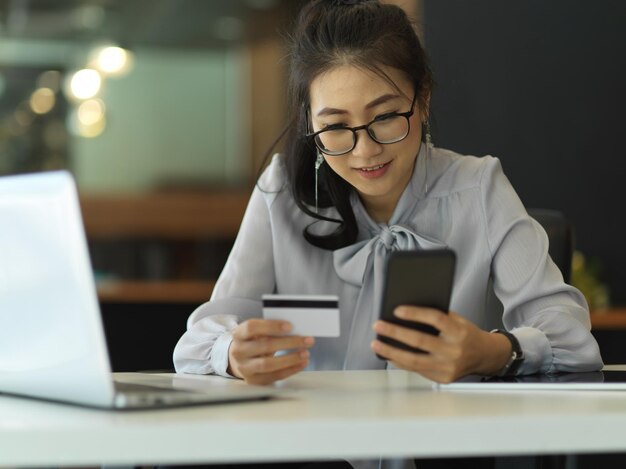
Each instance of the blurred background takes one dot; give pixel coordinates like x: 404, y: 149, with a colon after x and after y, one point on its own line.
x: 164, y: 110
x: 138, y: 95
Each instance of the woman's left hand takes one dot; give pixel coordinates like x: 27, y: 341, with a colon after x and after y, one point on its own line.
x: 461, y: 348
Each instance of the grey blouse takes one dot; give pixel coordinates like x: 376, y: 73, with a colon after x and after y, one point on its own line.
x: 462, y: 202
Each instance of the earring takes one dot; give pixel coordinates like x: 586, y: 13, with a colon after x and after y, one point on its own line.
x: 318, y: 162
x: 429, y: 143
x: 428, y: 136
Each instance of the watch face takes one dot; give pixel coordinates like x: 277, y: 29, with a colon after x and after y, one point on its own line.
x: 518, y: 359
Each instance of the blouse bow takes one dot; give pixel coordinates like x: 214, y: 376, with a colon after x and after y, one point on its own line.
x: 363, y: 265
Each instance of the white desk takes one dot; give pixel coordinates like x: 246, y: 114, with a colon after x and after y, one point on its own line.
x: 322, y: 414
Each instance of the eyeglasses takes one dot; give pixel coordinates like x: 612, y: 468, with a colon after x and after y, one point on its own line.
x: 336, y: 140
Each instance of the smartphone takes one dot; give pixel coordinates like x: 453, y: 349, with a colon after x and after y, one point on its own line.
x: 419, y: 278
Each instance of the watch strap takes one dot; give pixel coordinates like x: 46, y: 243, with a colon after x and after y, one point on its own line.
x: 517, y: 355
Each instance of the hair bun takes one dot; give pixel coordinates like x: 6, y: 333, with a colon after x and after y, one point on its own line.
x: 352, y: 2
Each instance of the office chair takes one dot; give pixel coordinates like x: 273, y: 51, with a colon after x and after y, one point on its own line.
x: 561, y: 249
x: 561, y: 237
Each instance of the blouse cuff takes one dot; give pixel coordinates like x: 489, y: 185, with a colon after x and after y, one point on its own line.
x: 219, y: 355
x: 536, y: 348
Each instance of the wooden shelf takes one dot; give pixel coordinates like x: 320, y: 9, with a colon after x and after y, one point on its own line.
x: 614, y: 318
x: 171, y: 291
x: 199, y: 291
x: 167, y: 215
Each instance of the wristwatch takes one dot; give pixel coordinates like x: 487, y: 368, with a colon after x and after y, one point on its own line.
x: 517, y: 355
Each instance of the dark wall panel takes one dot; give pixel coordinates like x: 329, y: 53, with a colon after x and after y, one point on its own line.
x: 142, y: 336
x: 541, y: 85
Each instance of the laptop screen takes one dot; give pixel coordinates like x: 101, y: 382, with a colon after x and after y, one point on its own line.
x: 52, y: 342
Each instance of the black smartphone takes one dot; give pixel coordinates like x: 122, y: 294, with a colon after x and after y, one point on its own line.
x: 419, y: 278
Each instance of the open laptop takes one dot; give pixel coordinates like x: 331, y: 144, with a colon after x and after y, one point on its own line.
x: 52, y: 342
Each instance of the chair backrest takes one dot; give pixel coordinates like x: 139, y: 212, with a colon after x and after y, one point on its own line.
x: 561, y: 237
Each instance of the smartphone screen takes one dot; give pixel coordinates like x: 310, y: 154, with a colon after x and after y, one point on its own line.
x: 419, y: 278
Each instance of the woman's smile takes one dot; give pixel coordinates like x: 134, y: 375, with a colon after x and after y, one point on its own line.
x: 374, y: 172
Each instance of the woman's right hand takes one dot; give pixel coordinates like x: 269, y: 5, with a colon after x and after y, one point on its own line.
x: 251, y: 355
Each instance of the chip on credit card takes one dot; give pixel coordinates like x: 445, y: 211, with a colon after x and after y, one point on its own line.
x: 310, y: 315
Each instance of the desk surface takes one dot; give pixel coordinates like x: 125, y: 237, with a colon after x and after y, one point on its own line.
x: 321, y: 414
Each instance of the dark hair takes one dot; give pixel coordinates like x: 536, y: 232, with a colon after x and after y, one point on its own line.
x: 329, y: 33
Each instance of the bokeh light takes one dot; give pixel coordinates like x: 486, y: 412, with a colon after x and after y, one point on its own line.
x: 42, y: 100
x: 85, y: 84
x: 90, y: 112
x: 113, y: 60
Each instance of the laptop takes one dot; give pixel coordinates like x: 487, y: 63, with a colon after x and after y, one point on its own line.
x: 52, y: 342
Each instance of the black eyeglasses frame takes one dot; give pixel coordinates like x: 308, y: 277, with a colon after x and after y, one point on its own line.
x: 407, y: 115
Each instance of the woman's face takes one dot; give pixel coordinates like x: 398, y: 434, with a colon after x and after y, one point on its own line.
x: 350, y: 96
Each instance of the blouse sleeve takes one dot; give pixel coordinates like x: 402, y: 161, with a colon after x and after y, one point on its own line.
x: 248, y: 273
x: 549, y: 318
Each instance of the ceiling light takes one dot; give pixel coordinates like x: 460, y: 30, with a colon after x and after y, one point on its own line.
x: 85, y: 84
x: 42, y: 100
x: 113, y: 60
x: 90, y: 112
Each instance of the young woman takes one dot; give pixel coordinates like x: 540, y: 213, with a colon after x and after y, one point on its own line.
x: 358, y: 179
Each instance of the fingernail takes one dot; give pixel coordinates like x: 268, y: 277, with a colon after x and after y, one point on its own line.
x: 400, y: 312
x: 285, y: 326
x: 308, y: 341
x: 304, y: 354
x: 375, y: 346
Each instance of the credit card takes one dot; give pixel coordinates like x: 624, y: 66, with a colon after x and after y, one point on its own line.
x: 310, y: 315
